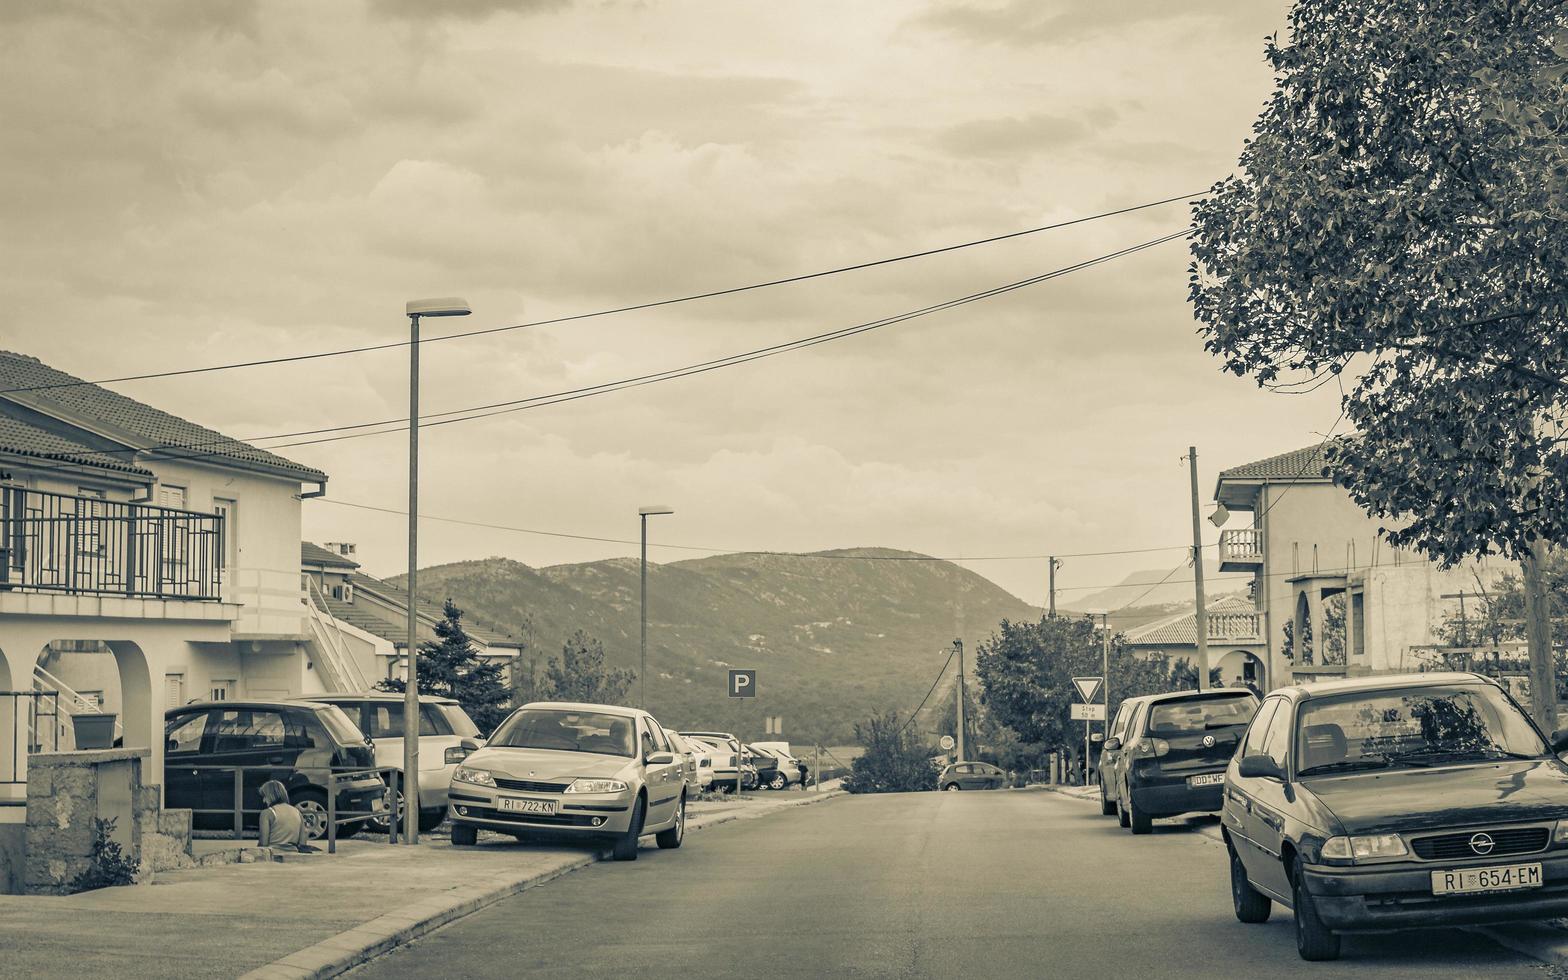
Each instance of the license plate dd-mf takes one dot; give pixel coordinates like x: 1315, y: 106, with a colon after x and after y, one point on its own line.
x: 544, y: 807
x: 1504, y: 878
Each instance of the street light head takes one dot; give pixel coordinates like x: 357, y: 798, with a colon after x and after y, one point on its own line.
x: 654, y: 509
x: 443, y: 306
x: 1220, y: 516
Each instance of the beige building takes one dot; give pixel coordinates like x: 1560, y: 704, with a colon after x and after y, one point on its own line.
x: 1235, y: 640
x: 1334, y: 597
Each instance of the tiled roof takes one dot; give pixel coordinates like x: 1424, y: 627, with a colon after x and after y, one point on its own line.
x: 315, y: 554
x: 1302, y: 464
x: 1182, y: 629
x: 55, y: 392
x: 373, y: 619
x: 25, y: 439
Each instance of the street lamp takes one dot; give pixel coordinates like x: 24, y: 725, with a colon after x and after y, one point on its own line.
x: 643, y: 513
x: 447, y: 306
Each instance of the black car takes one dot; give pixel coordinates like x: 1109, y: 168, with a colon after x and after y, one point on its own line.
x: 294, y: 742
x: 1406, y: 801
x: 1171, y: 758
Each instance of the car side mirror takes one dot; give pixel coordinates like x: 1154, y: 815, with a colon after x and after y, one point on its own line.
x: 1113, y: 744
x: 470, y: 745
x: 1560, y: 740
x: 1260, y: 767
x: 660, y: 759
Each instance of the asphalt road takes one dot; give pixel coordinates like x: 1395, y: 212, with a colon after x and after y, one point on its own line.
x: 997, y: 884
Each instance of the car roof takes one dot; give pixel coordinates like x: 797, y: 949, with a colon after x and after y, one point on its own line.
x: 1381, y: 682
x: 1214, y: 691
x: 606, y: 709
x: 377, y: 696
x: 276, y: 705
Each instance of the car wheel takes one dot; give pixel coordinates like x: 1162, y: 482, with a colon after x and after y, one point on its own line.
x: 778, y: 781
x: 1107, y: 805
x: 672, y: 838
x: 1314, y: 940
x: 312, y: 806
x: 626, y: 844
x: 464, y: 835
x: 394, y: 804
x: 1252, y: 906
x: 1138, y: 821
x: 1121, y: 814
x: 952, y: 787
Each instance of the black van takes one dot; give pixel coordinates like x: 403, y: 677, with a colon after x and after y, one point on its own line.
x: 294, y: 742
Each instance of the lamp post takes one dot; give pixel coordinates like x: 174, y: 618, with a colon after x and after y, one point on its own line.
x: 448, y: 306
x: 643, y: 513
x: 1105, y: 681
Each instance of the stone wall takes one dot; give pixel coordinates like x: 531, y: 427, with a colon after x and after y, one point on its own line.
x: 66, y: 793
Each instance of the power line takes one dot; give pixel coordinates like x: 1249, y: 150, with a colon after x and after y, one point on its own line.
x: 939, y: 674
x: 711, y: 294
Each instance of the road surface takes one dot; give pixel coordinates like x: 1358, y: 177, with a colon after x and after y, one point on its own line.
x: 1015, y: 883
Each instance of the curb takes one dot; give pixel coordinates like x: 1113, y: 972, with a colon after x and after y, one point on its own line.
x: 386, y: 932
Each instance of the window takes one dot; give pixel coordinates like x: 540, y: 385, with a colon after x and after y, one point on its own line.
x: 1123, y: 716
x: 652, y: 738
x: 1188, y: 715
x: 229, y: 511
x: 337, y: 722
x: 248, y: 728
x: 386, y: 720
x: 170, y: 495
x: 222, y: 690
x: 1253, y: 743
x: 185, y: 732
x: 1276, y: 741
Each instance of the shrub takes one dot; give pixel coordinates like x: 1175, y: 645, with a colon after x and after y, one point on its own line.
x: 109, y: 865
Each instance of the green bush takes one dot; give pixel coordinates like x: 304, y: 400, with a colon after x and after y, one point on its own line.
x: 109, y: 865
x: 894, y: 760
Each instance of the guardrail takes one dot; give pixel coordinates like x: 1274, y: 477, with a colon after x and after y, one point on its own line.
x: 390, y: 777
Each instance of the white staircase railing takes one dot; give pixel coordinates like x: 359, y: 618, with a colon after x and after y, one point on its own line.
x: 342, y: 668
x: 70, y: 704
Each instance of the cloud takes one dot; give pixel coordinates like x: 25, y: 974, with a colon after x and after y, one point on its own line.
x: 462, y: 9
x: 1056, y: 23
x: 1013, y: 135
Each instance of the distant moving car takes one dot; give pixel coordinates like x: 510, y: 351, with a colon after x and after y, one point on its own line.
x: 971, y: 775
x: 1172, y: 758
x: 1389, y: 802
x: 446, y: 736
x: 1109, y: 754
x: 295, y: 742
x: 592, y: 770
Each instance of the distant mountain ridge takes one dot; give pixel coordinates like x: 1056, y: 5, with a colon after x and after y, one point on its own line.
x: 1146, y: 589
x: 834, y: 635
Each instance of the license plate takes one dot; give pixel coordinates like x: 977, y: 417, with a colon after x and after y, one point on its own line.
x: 545, y: 807
x: 1207, y: 779
x: 1503, y: 878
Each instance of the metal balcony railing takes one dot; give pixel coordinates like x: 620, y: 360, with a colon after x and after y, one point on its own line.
x: 1241, y: 550
x: 52, y: 542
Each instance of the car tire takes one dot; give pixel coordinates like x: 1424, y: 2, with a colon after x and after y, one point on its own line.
x: 464, y: 835
x: 1138, y: 822
x: 779, y: 781
x: 626, y: 845
x: 1107, y: 805
x: 312, y: 806
x: 672, y: 838
x: 394, y: 811
x: 1252, y: 906
x: 1315, y: 941
x: 1121, y: 814
x: 952, y: 787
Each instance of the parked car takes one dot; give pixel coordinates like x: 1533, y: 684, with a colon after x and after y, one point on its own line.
x: 1172, y: 758
x: 782, y: 750
x: 591, y: 770
x: 1405, y: 801
x: 727, y: 750
x: 971, y: 775
x: 695, y: 772
x: 767, y: 766
x: 1108, y: 754
x: 446, y: 737
x: 295, y: 742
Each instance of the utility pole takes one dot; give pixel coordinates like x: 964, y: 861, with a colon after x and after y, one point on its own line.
x: 1051, y: 588
x: 958, y: 647
x: 1538, y: 632
x: 1201, y: 610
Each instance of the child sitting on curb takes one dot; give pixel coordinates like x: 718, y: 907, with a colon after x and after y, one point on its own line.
x: 281, y: 824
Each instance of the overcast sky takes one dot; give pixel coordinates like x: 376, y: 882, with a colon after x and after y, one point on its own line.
x: 197, y: 182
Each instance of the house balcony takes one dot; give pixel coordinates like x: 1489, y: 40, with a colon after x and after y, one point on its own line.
x: 1235, y: 627
x: 1241, y: 550
x: 86, y: 546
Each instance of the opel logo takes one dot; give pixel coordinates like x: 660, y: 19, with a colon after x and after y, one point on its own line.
x: 1208, y: 741
x: 1482, y: 843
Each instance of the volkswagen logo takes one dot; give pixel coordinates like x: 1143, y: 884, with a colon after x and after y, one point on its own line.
x: 1208, y: 741
x: 1482, y: 843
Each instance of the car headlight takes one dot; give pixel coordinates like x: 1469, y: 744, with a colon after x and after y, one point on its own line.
x: 1364, y: 848
x: 1560, y: 832
x: 455, y: 754
x: 479, y: 777
x: 596, y: 786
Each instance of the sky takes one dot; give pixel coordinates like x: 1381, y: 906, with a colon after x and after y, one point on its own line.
x: 195, y: 182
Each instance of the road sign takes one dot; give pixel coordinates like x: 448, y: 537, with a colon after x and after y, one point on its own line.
x: 743, y: 683
x: 1088, y: 687
x: 947, y: 743
x: 1088, y: 712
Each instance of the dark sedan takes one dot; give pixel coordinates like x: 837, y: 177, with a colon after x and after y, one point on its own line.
x: 1391, y: 802
x: 1171, y: 758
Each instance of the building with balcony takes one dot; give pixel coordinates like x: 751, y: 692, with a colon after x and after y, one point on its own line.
x: 1335, y: 599
x: 1235, y: 640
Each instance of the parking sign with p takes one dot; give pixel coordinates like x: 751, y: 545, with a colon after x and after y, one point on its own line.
x: 743, y: 683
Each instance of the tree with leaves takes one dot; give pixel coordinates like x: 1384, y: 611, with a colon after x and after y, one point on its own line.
x: 453, y: 668
x: 1396, y: 226
x: 581, y: 674
x: 894, y: 760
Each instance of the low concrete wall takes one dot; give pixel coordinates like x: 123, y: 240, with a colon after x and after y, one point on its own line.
x: 66, y: 793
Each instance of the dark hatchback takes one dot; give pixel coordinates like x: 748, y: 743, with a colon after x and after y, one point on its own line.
x: 1407, y: 801
x: 1172, y: 758
x: 294, y: 742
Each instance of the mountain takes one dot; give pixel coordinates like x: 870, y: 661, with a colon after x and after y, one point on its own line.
x: 834, y: 636
x: 1146, y: 589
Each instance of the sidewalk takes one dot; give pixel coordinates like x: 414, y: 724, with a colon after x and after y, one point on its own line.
x: 307, y: 915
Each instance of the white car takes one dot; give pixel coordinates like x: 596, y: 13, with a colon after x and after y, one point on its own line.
x: 446, y: 737
x: 725, y: 748
x: 699, y: 775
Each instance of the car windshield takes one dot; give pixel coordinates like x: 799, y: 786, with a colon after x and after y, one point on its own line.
x: 1190, y: 715
x: 566, y: 731
x: 1412, y: 727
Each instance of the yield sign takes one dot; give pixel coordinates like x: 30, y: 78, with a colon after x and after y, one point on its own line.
x: 1088, y: 687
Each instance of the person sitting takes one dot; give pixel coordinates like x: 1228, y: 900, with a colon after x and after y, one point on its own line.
x: 281, y: 824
